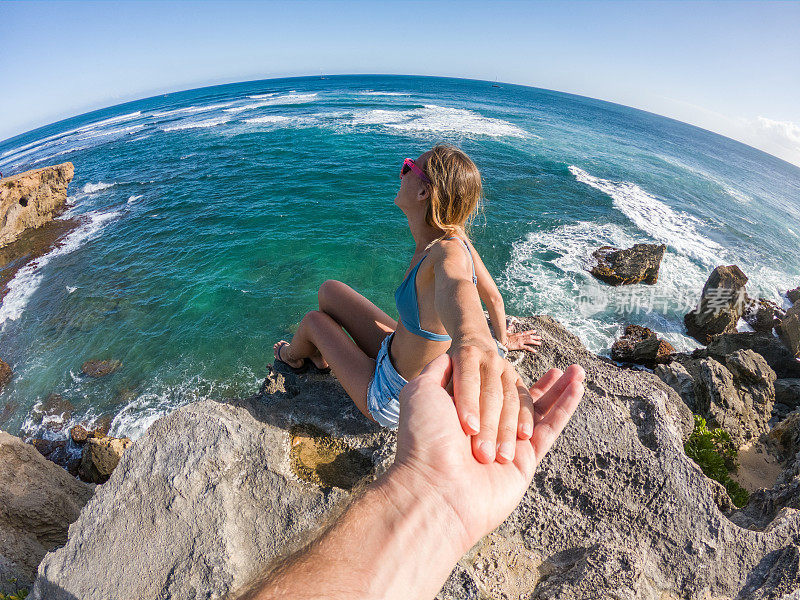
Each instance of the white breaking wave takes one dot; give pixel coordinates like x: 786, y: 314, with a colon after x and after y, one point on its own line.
x: 655, y: 218
x: 380, y: 117
x: 442, y: 119
x: 28, y: 278
x: 261, y: 96
x: 71, y: 289
x: 268, y: 119
x: 197, y: 124
x: 275, y: 101
x: 133, y: 199
x: 84, y: 132
x: 91, y: 188
x: 190, y: 110
x: 282, y: 121
x: 373, y: 93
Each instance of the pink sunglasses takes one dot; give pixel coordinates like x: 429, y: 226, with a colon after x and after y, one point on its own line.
x: 410, y: 165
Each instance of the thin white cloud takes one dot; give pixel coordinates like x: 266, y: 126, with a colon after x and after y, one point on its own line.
x: 781, y: 138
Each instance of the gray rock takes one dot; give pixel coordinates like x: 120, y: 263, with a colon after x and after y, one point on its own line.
x: 789, y: 330
x: 678, y: 378
x: 721, y: 304
x: 736, y: 394
x: 793, y: 295
x: 774, y: 352
x: 39, y: 501
x: 787, y: 391
x: 638, y: 264
x: 616, y: 510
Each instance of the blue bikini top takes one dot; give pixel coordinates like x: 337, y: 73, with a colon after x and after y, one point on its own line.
x: 406, y: 300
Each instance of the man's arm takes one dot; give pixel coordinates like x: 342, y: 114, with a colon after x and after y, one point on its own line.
x: 489, y: 403
x: 396, y: 541
x: 404, y: 535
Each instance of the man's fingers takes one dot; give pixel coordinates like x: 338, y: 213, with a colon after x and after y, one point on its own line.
x: 467, y: 390
x: 439, y: 370
x: 548, y: 429
x: 544, y: 403
x: 525, y: 420
x: 544, y: 383
x: 509, y: 415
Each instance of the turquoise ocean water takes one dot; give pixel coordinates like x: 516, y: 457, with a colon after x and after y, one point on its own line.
x: 213, y: 215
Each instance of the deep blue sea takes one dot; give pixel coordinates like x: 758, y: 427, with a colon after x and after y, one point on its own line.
x: 215, y: 214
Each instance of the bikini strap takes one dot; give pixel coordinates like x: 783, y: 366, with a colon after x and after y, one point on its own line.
x: 474, y: 278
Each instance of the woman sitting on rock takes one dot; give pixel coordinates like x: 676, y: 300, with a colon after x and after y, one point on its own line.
x: 439, y: 303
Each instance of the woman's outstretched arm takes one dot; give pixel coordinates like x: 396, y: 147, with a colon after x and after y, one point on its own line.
x: 490, y: 406
x: 487, y: 289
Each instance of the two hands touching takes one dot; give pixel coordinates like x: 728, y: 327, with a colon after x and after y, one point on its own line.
x: 493, y: 404
x: 401, y: 538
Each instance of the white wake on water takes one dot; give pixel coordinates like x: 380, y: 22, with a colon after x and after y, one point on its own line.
x: 671, y: 227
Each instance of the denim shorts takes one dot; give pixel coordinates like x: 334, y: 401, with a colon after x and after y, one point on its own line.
x: 384, y: 388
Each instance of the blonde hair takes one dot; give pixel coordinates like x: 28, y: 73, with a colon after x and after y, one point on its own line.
x: 456, y: 190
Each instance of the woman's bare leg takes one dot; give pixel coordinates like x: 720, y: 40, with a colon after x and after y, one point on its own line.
x: 367, y: 324
x: 319, y: 333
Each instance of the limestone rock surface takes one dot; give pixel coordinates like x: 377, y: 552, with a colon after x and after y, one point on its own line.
x: 39, y: 500
x: 616, y: 509
x: 31, y: 199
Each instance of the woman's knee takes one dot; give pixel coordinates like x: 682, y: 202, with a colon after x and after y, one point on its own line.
x: 328, y: 292
x: 316, y: 319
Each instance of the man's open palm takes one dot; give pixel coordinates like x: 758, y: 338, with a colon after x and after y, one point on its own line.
x: 433, y: 448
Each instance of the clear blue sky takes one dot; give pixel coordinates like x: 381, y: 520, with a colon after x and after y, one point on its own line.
x: 730, y: 67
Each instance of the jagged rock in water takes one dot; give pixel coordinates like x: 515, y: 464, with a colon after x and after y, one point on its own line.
x: 793, y: 295
x: 642, y: 346
x: 39, y: 501
x: 762, y: 315
x: 5, y: 374
x: 637, y: 264
x: 721, y: 304
x: 736, y: 393
x: 31, y: 199
x: 99, y: 457
x: 616, y: 509
x: 100, y: 368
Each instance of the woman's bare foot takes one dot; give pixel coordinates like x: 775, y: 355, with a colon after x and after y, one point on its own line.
x: 319, y: 361
x: 283, y: 353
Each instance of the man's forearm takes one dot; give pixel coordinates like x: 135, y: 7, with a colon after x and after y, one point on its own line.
x: 396, y: 541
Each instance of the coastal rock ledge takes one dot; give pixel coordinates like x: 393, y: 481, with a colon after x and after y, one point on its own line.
x: 616, y: 510
x: 31, y: 199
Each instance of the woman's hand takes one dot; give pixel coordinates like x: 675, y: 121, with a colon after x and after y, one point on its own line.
x: 523, y: 340
x: 492, y: 403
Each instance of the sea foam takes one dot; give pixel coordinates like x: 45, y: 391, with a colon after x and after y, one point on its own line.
x: 197, y: 124
x: 548, y: 270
